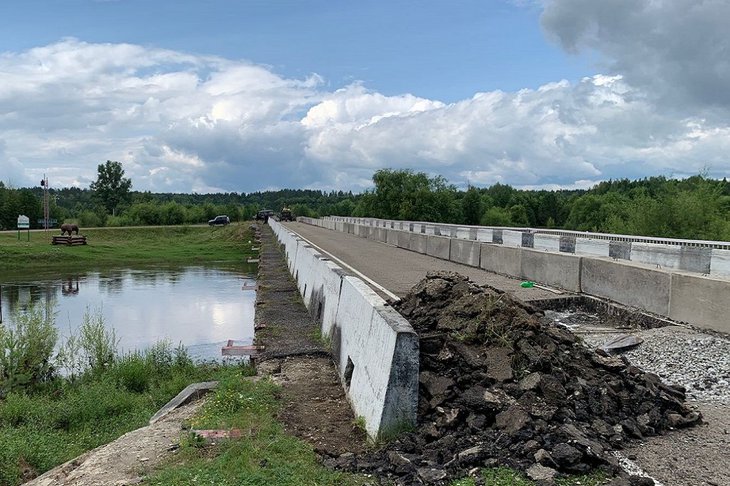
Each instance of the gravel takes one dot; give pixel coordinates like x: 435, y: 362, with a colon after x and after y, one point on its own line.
x: 698, y: 361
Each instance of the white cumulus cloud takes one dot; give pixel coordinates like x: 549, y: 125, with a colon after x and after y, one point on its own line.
x: 182, y: 122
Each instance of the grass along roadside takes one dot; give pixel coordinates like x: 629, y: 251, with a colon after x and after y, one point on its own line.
x: 52, y: 422
x: 263, y: 455
x: 130, y: 246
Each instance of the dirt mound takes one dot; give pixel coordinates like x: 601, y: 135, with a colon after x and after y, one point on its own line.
x: 500, y: 386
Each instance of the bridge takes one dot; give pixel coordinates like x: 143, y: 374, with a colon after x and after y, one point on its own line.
x: 347, y: 269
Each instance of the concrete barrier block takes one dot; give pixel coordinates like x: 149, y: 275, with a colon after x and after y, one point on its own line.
x: 404, y: 240
x: 627, y: 283
x: 497, y: 236
x: 466, y: 252
x: 663, y: 256
x: 464, y: 233
x: 694, y: 259
x: 429, y: 229
x: 377, y: 353
x: 701, y: 301
x: 439, y: 247
x: 546, y: 242
x: 393, y: 236
x: 484, y: 235
x: 363, y: 231
x: 528, y: 240
x: 593, y: 247
x: 501, y: 259
x: 720, y: 263
x: 620, y: 250
x: 512, y: 238
x: 378, y: 234
x: 556, y: 269
x: 325, y: 297
x: 567, y: 244
x: 418, y: 242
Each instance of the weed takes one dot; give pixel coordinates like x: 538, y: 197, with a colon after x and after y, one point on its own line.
x: 98, y: 342
x: 266, y: 456
x: 359, y: 424
x: 26, y: 348
x: 133, y: 372
x: 317, y: 335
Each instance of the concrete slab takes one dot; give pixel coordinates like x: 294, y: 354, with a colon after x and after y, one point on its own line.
x: 439, y: 247
x: 484, y: 235
x: 592, y: 247
x: 377, y: 355
x: 512, y: 238
x: 700, y: 301
x: 554, y: 269
x: 189, y: 393
x: 720, y: 263
x: 501, y: 259
x: 393, y: 236
x: 466, y: 252
x: 546, y: 242
x: 404, y: 240
x: 418, y: 243
x: 627, y: 283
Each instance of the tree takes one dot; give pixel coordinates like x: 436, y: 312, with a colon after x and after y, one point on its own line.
x: 111, y: 188
x: 471, y: 206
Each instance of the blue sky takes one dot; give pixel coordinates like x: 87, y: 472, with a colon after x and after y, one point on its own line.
x: 435, y: 49
x: 247, y: 95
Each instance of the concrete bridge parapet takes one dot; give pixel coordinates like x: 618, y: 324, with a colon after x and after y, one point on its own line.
x: 375, y: 349
x: 687, y: 281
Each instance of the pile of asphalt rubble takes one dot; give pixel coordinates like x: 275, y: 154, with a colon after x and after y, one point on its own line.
x: 499, y: 386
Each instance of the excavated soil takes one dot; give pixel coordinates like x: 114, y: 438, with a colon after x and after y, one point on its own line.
x: 501, y: 386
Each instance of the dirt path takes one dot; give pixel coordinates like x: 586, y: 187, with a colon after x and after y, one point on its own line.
x: 698, y: 456
x: 126, y: 460
x: 314, y: 406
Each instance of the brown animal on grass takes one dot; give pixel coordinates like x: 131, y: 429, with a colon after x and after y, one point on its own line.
x: 68, y: 228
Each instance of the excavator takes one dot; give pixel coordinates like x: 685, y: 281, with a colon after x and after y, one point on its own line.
x: 285, y: 214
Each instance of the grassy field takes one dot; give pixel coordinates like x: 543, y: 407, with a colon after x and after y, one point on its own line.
x: 130, y: 246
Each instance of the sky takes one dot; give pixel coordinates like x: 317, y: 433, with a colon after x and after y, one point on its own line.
x: 247, y: 95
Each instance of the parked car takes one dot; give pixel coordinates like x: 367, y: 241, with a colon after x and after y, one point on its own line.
x: 219, y: 221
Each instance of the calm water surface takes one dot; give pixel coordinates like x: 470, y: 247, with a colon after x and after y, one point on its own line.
x: 199, y: 307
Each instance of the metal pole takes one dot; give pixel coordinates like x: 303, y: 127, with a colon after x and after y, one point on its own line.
x: 46, y: 205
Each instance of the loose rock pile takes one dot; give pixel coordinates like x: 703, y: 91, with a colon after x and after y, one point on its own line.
x: 500, y: 387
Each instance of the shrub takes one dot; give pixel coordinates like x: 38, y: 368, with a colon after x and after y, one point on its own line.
x: 26, y: 347
x: 98, y: 343
x: 133, y: 372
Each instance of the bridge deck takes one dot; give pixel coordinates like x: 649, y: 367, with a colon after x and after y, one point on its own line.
x: 398, y: 270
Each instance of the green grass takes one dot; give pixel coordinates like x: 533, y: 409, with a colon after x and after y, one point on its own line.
x: 130, y: 246
x: 57, y: 421
x: 264, y: 455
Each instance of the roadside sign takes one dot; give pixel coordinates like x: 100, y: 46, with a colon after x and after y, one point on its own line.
x: 23, y: 222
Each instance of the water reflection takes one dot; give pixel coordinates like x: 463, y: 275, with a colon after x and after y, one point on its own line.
x: 199, y: 307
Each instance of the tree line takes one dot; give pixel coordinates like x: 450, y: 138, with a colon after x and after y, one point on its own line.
x: 697, y: 207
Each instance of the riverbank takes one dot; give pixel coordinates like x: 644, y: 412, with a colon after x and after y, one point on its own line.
x: 47, y: 418
x: 173, y: 245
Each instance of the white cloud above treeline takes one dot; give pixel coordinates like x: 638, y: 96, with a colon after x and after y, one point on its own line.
x: 181, y: 122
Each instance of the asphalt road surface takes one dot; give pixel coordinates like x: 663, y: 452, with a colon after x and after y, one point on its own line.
x: 398, y: 270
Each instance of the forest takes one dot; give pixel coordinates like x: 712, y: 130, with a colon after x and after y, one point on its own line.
x: 697, y: 207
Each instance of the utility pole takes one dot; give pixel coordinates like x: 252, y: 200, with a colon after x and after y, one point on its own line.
x: 46, y: 205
